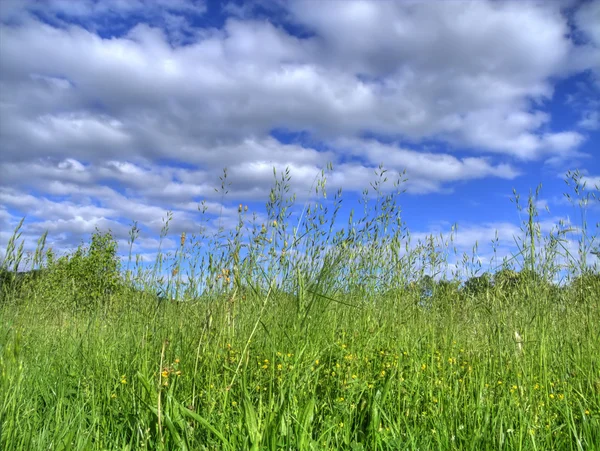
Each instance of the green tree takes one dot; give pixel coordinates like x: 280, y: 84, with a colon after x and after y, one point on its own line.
x: 88, y: 277
x: 477, y: 285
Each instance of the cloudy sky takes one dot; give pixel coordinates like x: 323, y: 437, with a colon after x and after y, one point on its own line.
x: 120, y: 110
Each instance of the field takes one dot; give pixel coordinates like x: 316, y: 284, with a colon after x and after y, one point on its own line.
x: 301, y: 338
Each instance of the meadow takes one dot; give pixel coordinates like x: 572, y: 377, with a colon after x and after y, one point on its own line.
x: 290, y: 332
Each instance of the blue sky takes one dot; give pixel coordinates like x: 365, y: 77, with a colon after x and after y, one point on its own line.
x: 119, y: 110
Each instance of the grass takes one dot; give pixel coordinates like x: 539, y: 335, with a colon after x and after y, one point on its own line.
x: 304, y: 338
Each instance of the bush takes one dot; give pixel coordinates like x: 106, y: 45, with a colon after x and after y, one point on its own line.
x: 88, y: 277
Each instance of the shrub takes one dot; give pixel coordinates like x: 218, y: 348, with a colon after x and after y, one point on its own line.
x: 88, y: 277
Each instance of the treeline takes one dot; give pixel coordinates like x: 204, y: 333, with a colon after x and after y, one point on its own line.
x: 505, y: 282
x: 92, y: 276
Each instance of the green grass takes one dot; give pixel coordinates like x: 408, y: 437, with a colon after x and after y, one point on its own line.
x: 335, y: 352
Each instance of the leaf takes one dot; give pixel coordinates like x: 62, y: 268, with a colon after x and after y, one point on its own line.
x: 194, y: 416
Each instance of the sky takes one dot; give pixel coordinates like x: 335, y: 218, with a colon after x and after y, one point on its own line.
x: 119, y: 110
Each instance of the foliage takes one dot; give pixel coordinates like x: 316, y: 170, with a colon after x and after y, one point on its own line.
x: 478, y: 285
x: 90, y: 276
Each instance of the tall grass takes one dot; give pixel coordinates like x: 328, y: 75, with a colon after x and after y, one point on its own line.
x: 297, y: 333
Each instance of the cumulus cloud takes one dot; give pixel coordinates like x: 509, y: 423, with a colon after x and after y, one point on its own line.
x: 415, y: 71
x: 586, y: 19
x: 133, y: 108
x: 591, y: 182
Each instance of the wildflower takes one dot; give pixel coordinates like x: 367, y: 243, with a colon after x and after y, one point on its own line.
x: 123, y: 379
x: 176, y: 360
x: 113, y: 396
x: 587, y: 412
x: 341, y: 425
x: 165, y: 373
x: 551, y: 395
x: 423, y: 367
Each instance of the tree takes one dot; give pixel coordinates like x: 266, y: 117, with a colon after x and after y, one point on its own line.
x: 88, y: 277
x: 477, y: 285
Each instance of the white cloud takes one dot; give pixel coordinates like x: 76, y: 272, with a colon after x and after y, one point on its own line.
x: 136, y: 116
x: 591, y: 182
x: 416, y: 71
x: 586, y: 19
x: 426, y: 172
x: 590, y: 120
